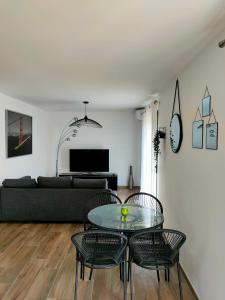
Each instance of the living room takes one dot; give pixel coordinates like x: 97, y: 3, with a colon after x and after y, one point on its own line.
x: 124, y: 145
x: 152, y: 74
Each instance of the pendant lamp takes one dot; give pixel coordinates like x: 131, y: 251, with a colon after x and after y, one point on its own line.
x: 86, y: 121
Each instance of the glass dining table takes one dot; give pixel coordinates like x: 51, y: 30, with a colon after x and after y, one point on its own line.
x: 109, y: 217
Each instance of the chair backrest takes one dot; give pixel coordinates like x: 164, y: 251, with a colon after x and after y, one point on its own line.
x: 159, y: 243
x: 96, y: 245
x: 101, y: 198
x: 104, y: 198
x: 146, y: 200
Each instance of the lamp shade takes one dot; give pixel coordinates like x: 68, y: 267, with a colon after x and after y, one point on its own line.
x: 86, y: 121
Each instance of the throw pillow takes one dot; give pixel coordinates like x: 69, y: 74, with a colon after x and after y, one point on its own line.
x: 20, y: 183
x: 54, y: 182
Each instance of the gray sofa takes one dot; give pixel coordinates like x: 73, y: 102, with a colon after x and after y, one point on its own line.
x: 67, y: 203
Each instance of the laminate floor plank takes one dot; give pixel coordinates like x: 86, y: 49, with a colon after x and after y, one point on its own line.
x: 14, y: 263
x: 64, y: 282
x: 23, y: 282
x: 3, y: 288
x: 35, y: 235
x: 8, y: 237
x: 41, y: 285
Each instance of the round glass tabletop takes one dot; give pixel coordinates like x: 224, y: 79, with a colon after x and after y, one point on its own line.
x: 138, y: 218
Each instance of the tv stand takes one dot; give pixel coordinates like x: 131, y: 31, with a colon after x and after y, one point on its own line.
x: 110, y: 177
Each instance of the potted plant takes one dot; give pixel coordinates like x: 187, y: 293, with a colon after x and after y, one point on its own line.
x: 159, y: 134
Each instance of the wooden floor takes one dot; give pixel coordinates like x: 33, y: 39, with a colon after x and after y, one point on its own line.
x: 37, y: 262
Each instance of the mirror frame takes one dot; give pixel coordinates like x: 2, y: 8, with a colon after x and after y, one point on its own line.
x: 181, y: 133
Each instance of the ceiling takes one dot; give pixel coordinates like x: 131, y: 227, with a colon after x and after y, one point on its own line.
x: 56, y: 54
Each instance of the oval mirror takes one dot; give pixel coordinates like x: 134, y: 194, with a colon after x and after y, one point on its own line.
x: 176, y: 133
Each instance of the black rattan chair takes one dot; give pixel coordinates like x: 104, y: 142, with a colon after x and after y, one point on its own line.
x: 155, y: 250
x: 146, y: 200
x: 149, y: 201
x: 102, y: 198
x: 99, y: 199
x: 98, y: 249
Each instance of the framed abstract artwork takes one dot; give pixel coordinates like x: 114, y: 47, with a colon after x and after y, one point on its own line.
x: 206, y: 106
x: 212, y: 136
x: 197, y: 130
x: 18, y: 134
x: 206, y: 103
x: 197, y: 134
x: 212, y: 133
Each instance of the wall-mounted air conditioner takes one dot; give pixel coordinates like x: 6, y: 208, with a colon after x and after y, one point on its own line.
x: 139, y: 113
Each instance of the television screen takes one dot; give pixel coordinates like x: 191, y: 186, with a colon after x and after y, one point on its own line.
x: 89, y: 160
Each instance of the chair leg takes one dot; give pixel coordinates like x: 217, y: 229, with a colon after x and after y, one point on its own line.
x: 179, y: 279
x: 166, y: 277
x: 121, y: 271
x: 90, y: 276
x: 81, y: 270
x: 76, y: 281
x: 130, y: 275
x: 129, y: 259
x: 158, y: 277
x: 168, y: 274
x: 125, y: 280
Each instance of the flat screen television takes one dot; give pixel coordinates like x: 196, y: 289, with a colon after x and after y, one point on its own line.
x: 89, y: 160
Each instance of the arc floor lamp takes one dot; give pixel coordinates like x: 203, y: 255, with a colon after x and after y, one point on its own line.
x: 70, y: 130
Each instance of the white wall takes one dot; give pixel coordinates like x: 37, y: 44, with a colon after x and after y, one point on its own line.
x: 34, y: 164
x: 120, y: 134
x: 192, y: 181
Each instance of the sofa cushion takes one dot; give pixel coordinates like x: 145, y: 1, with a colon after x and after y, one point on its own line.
x: 54, y: 182
x: 26, y: 177
x: 100, y: 183
x: 24, y: 182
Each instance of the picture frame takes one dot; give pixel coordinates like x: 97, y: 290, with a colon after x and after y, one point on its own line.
x: 212, y: 136
x: 206, y: 106
x: 18, y: 129
x: 176, y: 125
x: 197, y: 134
